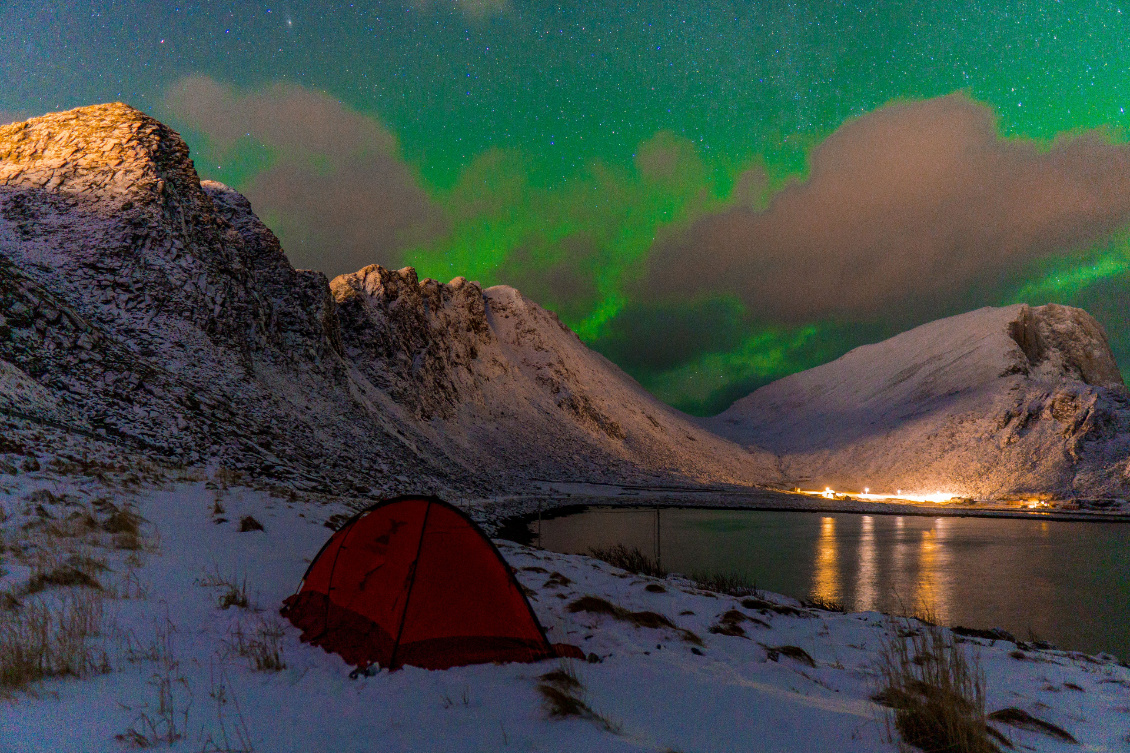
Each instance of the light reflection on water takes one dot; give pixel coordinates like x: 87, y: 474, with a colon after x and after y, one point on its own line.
x: 826, y: 583
x: 868, y: 575
x: 1064, y: 582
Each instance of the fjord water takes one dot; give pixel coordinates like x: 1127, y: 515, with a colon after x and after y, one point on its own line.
x: 1063, y: 582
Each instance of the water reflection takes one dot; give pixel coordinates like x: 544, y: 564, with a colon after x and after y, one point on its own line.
x: 931, y: 597
x: 867, y: 585
x: 826, y: 579
x: 1066, y: 582
x: 899, y: 585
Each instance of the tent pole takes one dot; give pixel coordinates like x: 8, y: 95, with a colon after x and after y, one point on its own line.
x: 411, y: 583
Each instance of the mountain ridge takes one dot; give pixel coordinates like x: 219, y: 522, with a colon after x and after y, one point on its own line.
x: 994, y: 403
x: 210, y: 347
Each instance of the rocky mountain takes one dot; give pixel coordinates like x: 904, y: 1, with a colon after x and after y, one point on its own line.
x: 1010, y: 402
x: 146, y: 310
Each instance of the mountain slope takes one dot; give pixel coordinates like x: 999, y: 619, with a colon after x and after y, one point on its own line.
x: 502, y: 384
x: 146, y: 308
x: 995, y: 403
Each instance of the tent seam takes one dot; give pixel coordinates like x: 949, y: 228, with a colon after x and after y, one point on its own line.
x: 411, y: 585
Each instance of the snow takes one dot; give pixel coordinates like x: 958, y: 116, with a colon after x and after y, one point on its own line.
x: 997, y: 403
x: 649, y: 684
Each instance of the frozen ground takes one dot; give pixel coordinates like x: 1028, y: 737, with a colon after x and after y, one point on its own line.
x: 652, y: 689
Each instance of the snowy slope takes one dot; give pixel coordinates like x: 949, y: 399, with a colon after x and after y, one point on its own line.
x: 145, y: 308
x: 500, y: 383
x: 995, y: 403
x: 163, y: 629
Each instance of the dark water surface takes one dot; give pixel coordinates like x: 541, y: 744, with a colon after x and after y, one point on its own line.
x: 1064, y: 582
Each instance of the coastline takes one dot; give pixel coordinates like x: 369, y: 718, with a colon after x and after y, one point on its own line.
x: 512, y: 512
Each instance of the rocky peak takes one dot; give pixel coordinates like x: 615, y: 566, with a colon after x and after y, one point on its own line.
x: 108, y: 152
x: 1064, y: 341
x: 417, y: 340
x: 106, y: 197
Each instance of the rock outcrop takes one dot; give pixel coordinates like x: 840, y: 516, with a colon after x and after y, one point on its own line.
x: 144, y: 308
x: 1006, y: 403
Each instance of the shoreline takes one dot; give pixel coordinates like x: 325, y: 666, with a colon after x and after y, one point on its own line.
x: 511, y: 513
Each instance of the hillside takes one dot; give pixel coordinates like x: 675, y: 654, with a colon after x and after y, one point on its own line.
x: 995, y: 403
x: 145, y: 310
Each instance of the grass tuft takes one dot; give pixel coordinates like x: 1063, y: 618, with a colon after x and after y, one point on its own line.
x: 824, y: 605
x: 1015, y: 717
x: 262, y: 647
x: 730, y: 623
x: 630, y: 559
x: 562, y: 695
x: 564, y: 678
x: 63, y: 575
x: 762, y: 605
x: 165, y: 721
x: 249, y: 523
x: 937, y: 692
x: 732, y: 584
x: 50, y: 639
x: 233, y: 590
x: 796, y: 653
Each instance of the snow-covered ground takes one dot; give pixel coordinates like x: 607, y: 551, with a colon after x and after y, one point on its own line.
x: 1003, y: 404
x: 649, y: 689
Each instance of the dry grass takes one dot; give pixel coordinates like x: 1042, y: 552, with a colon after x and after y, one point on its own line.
x: 235, y: 596
x: 249, y: 523
x: 556, y: 579
x: 51, y: 568
x: 166, y: 720
x: 653, y: 620
x: 231, y: 733
x: 232, y: 588
x: 1020, y: 718
x: 761, y: 605
x: 562, y: 693
x: 937, y: 692
x: 730, y: 623
x: 50, y: 638
x: 824, y: 605
x: 630, y: 559
x: 732, y: 584
x: 262, y: 647
x: 796, y: 653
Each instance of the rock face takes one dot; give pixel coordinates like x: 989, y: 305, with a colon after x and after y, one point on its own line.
x: 144, y: 308
x: 492, y: 370
x: 996, y: 403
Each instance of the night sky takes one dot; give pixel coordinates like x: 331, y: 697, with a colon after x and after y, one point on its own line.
x: 712, y: 194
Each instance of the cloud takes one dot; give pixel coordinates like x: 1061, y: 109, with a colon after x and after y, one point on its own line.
x: 905, y: 209
x: 563, y: 282
x: 337, y: 191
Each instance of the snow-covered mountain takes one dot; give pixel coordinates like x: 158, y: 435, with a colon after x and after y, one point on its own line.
x: 995, y: 403
x: 142, y: 308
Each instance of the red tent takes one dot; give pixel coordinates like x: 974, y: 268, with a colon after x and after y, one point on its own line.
x: 413, y: 580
